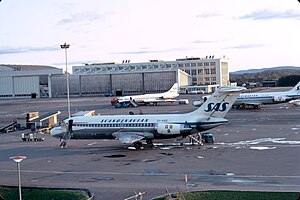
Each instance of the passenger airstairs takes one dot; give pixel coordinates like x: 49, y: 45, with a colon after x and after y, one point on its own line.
x: 44, y: 91
x: 196, y: 139
x: 134, y: 103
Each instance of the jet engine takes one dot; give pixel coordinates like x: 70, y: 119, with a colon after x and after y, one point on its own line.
x: 173, y: 129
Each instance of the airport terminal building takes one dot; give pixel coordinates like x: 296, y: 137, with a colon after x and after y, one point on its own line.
x: 29, y: 81
x: 202, y: 73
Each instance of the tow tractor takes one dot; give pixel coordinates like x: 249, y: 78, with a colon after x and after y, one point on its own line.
x: 208, y: 138
x: 35, y: 137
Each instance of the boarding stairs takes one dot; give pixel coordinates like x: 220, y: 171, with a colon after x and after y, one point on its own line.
x: 196, y: 140
x: 44, y: 91
x: 9, y: 127
x: 133, y: 103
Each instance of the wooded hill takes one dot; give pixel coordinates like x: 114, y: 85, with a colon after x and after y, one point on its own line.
x: 274, y: 75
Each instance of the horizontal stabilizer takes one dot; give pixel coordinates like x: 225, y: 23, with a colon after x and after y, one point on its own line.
x: 227, y: 89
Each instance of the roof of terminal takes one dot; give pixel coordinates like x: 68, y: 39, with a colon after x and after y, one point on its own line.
x: 12, y: 67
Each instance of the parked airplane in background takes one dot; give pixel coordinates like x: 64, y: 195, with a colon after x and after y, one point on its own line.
x: 134, y: 128
x: 151, y: 98
x: 258, y: 99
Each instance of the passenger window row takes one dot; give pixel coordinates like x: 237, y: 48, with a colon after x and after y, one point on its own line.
x: 116, y: 125
x: 124, y: 120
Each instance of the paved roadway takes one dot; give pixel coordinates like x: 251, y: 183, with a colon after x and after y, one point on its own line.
x: 256, y: 150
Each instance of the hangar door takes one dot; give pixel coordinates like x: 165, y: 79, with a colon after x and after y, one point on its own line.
x: 25, y: 86
x: 6, y: 89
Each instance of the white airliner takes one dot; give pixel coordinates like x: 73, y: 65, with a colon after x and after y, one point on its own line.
x: 258, y: 99
x: 134, y: 128
x: 152, y: 98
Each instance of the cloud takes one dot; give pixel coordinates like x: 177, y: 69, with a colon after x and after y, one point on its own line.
x: 11, y: 50
x: 82, y: 17
x: 203, y: 41
x: 245, y: 46
x: 207, y: 15
x: 140, y: 52
x: 269, y: 14
x: 153, y: 51
x: 78, y: 62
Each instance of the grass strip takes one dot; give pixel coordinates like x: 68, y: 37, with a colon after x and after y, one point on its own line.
x: 12, y: 193
x: 233, y: 195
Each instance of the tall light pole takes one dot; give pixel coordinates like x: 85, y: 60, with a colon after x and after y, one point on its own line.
x: 18, y: 159
x: 66, y: 46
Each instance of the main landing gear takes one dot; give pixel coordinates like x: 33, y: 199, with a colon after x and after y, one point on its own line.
x: 139, y: 145
x: 150, y: 142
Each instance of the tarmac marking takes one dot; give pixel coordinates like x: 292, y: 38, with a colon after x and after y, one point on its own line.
x: 90, y: 144
x: 155, y: 174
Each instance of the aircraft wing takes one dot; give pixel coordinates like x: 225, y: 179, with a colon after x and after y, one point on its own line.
x: 295, y: 102
x: 252, y: 103
x: 132, y: 102
x: 128, y: 137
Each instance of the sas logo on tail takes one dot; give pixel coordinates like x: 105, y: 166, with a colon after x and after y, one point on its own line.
x: 217, y: 107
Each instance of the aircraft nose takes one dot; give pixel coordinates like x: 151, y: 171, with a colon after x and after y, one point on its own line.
x: 56, y: 131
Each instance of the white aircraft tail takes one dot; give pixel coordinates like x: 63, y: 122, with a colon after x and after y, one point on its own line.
x: 296, y: 89
x: 219, y: 103
x: 174, y: 88
x: 172, y: 93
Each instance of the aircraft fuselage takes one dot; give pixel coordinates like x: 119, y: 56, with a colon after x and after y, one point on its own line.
x: 266, y: 98
x: 154, y: 126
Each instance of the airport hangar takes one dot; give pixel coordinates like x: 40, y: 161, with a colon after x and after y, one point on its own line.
x: 36, y: 81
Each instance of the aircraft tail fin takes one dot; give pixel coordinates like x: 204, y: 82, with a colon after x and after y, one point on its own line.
x: 174, y: 88
x: 220, y: 102
x: 296, y: 88
x: 172, y: 93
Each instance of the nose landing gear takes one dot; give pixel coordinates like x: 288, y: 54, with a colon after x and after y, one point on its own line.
x: 63, y: 144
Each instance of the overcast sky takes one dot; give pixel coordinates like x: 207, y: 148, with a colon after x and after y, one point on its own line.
x: 251, y: 33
